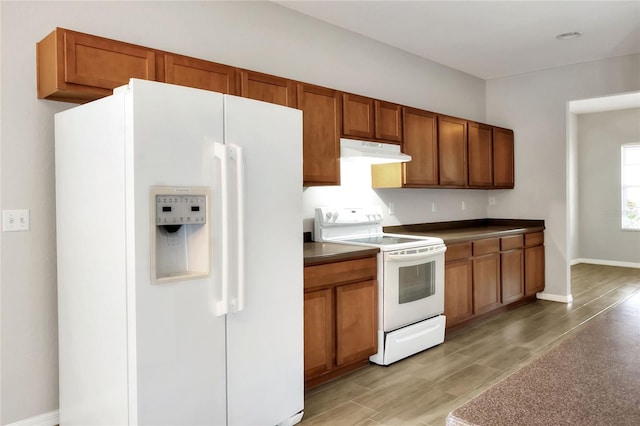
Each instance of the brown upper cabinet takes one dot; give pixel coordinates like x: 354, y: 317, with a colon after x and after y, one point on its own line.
x: 503, y: 151
x: 388, y: 121
x: 192, y: 72
x: 420, y: 141
x: 452, y: 149
x: 371, y: 119
x: 77, y: 67
x: 268, y: 88
x: 447, y: 152
x: 321, y: 115
x: 480, y: 152
x: 357, y: 116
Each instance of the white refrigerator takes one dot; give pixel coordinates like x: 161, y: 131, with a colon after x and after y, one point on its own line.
x: 180, y: 269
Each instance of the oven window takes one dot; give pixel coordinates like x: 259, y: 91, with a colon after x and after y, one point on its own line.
x: 416, y: 282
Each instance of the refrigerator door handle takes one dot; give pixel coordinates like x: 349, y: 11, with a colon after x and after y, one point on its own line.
x: 222, y: 305
x: 237, y: 155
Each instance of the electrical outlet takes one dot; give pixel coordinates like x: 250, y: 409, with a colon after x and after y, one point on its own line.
x: 434, y: 207
x: 15, y: 220
x: 392, y: 208
x: 463, y: 205
x: 492, y: 201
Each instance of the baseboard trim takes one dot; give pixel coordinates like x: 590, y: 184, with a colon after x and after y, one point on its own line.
x: 52, y: 418
x: 606, y: 263
x: 555, y: 297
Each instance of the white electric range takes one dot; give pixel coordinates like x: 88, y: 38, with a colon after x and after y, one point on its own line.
x: 410, y: 279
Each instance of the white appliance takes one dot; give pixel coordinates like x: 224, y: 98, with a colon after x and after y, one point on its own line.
x: 179, y: 243
x: 371, y: 152
x: 410, y: 279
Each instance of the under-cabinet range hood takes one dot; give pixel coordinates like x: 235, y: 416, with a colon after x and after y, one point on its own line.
x: 371, y: 152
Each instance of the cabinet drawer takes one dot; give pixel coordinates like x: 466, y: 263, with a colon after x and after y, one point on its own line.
x: 489, y: 245
x: 511, y: 242
x: 534, y: 239
x: 457, y: 251
x: 340, y: 272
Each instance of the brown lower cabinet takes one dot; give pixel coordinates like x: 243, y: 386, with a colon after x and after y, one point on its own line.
x: 534, y: 263
x: 512, y: 268
x: 486, y: 283
x: 458, y: 301
x: 486, y: 274
x: 340, y: 318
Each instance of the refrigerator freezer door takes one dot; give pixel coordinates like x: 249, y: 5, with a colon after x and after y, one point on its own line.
x: 177, y: 341
x: 92, y: 275
x: 265, y: 340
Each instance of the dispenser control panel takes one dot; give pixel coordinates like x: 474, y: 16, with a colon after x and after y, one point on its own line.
x: 180, y: 209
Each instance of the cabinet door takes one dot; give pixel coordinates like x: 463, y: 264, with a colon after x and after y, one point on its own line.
x: 268, y: 88
x: 94, y: 61
x: 318, y: 332
x: 452, y: 146
x: 534, y: 270
x: 388, y: 121
x: 458, y: 291
x: 321, y: 115
x: 421, y: 143
x: 356, y: 321
x: 503, y: 173
x: 480, y: 152
x: 357, y: 116
x: 486, y: 283
x: 200, y: 74
x: 512, y: 275
x: 80, y: 67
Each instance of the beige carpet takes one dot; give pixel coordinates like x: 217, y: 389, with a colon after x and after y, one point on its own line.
x: 591, y: 379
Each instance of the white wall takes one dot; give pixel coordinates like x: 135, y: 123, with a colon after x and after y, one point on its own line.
x: 600, y: 136
x: 572, y: 176
x: 535, y: 106
x: 259, y: 36
x: 410, y: 205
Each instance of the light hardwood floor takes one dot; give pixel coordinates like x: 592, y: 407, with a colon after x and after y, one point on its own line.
x: 423, y: 389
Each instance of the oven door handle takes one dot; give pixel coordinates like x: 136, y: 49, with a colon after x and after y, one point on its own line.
x: 416, y: 256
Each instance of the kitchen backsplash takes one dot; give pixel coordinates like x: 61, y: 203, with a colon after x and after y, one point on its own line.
x: 409, y: 205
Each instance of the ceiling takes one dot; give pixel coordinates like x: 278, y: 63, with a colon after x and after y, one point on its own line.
x: 490, y: 39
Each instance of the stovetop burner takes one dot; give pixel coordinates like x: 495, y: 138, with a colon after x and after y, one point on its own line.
x: 363, y: 226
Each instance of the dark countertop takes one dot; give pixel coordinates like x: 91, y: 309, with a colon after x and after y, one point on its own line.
x: 466, y: 230
x: 319, y: 253
x: 450, y: 232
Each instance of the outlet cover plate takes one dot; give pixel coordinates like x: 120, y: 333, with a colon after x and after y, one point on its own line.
x: 15, y: 220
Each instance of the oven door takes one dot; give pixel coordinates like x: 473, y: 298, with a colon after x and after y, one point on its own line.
x: 413, y: 286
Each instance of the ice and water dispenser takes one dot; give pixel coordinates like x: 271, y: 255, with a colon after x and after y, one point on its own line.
x: 180, y: 237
